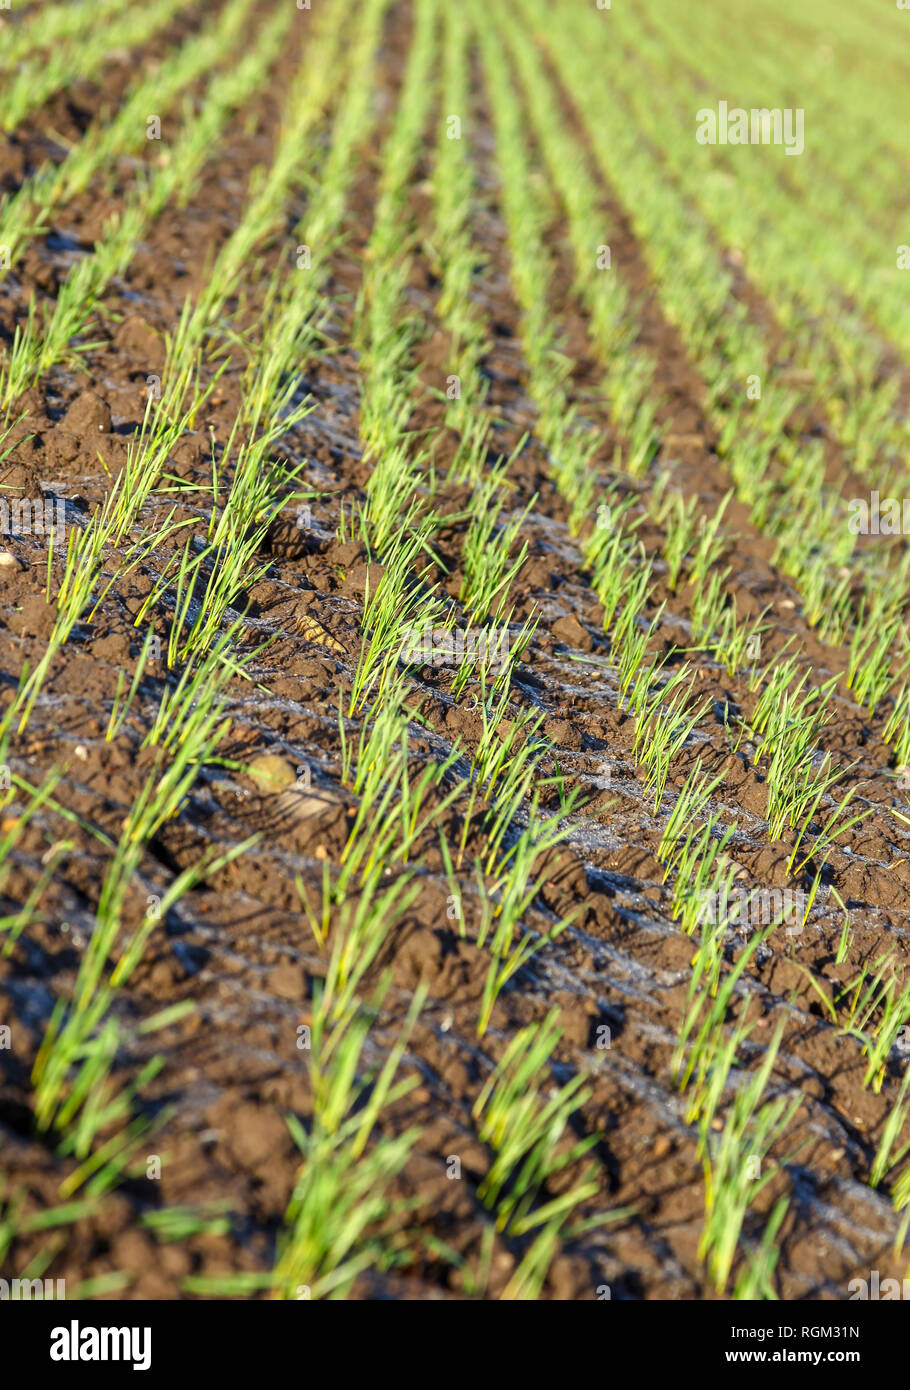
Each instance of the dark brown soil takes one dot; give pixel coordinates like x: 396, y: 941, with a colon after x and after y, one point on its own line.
x: 240, y: 946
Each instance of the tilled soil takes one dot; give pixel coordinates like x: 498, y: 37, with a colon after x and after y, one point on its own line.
x: 240, y: 946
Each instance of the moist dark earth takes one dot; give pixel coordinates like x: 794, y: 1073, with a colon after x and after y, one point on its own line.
x: 240, y: 945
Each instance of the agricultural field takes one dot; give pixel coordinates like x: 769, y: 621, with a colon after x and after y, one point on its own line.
x: 454, y: 670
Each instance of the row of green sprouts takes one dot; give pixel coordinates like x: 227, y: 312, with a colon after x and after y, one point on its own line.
x: 486, y: 816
